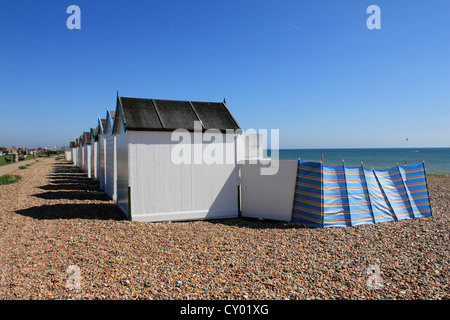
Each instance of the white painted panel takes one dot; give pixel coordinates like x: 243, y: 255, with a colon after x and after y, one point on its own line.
x: 74, y: 156
x: 68, y: 155
x: 84, y: 164
x: 111, y: 166
x: 122, y: 168
x: 82, y: 157
x: 162, y: 190
x: 186, y: 215
x: 250, y: 146
x: 101, y: 160
x: 268, y: 196
x: 94, y: 160
x: 87, y: 160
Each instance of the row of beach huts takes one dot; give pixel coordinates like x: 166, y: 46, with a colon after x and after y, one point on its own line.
x: 168, y: 160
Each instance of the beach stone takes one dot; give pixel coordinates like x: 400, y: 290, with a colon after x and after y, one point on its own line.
x: 210, y: 259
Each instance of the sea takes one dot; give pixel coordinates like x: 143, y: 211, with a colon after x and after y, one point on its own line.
x: 437, y: 160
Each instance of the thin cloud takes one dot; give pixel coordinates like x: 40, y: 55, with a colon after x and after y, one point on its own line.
x: 292, y: 25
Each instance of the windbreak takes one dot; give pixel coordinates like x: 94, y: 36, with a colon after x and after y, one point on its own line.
x: 343, y: 196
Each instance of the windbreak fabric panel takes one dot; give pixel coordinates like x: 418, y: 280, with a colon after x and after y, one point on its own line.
x: 307, y: 207
x: 358, y: 197
x: 417, y: 189
x: 341, y: 196
x: 335, y: 198
x: 393, y: 187
x: 381, y: 210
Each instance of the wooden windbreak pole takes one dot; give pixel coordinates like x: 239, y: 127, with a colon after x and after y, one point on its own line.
x: 321, y: 194
x: 322, y: 159
x: 426, y: 182
x: 368, y: 192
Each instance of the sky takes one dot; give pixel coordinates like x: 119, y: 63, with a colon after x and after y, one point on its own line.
x: 312, y: 69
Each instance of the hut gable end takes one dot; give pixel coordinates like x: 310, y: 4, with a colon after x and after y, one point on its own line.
x: 119, y: 122
x: 109, y: 121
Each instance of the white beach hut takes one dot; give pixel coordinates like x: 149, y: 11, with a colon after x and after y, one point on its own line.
x: 80, y: 157
x: 152, y: 183
x: 101, y: 152
x: 93, y: 154
x: 87, y: 153
x: 73, y: 149
x: 81, y: 152
x: 111, y: 165
x: 68, y: 154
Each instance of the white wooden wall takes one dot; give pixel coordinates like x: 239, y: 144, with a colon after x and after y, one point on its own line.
x: 80, y: 157
x: 250, y: 146
x: 68, y: 155
x: 74, y: 156
x: 268, y: 196
x: 162, y: 190
x: 111, y: 166
x: 87, y: 160
x: 122, y: 168
x: 101, y: 161
x: 83, y: 156
x: 94, y: 160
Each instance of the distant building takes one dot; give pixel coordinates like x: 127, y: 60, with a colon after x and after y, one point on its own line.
x: 10, y: 151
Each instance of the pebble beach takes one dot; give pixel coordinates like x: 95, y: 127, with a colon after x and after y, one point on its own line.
x: 55, y: 219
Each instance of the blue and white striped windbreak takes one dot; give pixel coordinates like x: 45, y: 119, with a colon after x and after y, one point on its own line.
x: 343, y: 196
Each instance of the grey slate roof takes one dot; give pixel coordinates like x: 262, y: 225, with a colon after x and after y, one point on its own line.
x: 169, y: 115
x: 87, y: 137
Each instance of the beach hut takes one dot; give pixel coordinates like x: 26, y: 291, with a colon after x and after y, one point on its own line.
x: 101, y: 154
x: 68, y: 153
x: 111, y: 165
x: 93, y: 147
x: 80, y: 152
x: 73, y: 150
x: 165, y: 168
x: 87, y: 153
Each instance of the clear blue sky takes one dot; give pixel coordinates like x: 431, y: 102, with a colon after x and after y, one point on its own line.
x: 309, y: 68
